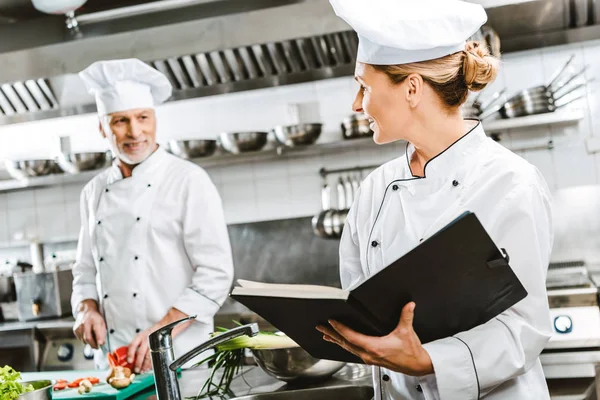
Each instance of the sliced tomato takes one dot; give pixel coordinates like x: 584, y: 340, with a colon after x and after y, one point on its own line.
x: 62, y: 381
x: 93, y: 380
x: 59, y: 386
x: 121, y: 355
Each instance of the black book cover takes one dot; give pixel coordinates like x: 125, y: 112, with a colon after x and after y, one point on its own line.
x: 458, y: 279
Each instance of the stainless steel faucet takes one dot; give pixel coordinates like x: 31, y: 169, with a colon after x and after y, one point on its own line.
x: 163, y: 359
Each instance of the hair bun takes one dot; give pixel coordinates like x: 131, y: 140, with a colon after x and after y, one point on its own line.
x: 479, y: 67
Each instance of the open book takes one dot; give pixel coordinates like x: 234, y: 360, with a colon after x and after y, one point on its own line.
x: 458, y: 279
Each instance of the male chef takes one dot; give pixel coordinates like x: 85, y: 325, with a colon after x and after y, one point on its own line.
x: 153, y: 246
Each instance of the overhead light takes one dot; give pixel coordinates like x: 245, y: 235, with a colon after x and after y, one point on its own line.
x: 498, y: 3
x: 57, y: 6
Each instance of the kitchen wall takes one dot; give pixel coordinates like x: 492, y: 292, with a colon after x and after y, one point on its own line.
x: 289, y: 188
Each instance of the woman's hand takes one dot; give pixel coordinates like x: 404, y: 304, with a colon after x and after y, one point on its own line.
x: 400, y: 351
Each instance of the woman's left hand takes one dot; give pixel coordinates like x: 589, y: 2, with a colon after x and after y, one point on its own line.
x: 400, y: 351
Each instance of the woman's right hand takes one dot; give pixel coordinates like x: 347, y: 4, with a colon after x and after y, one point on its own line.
x: 89, y: 326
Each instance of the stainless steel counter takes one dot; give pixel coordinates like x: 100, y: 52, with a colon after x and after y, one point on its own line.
x: 66, y: 322
x: 253, y: 380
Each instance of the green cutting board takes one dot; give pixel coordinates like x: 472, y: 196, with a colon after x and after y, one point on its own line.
x: 100, y: 391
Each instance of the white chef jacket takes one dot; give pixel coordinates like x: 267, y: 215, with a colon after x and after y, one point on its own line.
x: 394, y: 211
x: 153, y: 241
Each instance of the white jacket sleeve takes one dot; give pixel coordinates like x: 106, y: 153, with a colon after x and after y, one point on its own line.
x: 350, y: 267
x: 471, y: 364
x: 84, y: 269
x: 206, y: 241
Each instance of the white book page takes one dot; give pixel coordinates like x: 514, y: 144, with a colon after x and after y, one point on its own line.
x: 288, y: 290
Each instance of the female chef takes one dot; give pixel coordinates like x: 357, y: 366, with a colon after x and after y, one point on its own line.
x: 415, y: 68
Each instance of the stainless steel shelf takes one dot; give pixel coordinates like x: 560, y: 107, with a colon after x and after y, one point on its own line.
x: 269, y: 154
x: 278, y: 153
x: 554, y: 118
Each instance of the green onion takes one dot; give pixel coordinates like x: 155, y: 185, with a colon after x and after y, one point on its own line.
x: 229, y: 356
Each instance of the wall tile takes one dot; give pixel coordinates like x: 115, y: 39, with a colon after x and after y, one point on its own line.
x: 52, y: 221
x: 270, y: 170
x: 273, y: 198
x: 239, y: 201
x: 49, y: 195
x: 237, y: 172
x: 20, y: 199
x: 73, y: 219
x: 4, y: 231
x: 544, y: 161
x: 3, y: 201
x: 22, y: 224
x: 305, y: 195
x: 72, y: 192
x: 523, y: 70
x: 573, y: 165
x: 305, y: 167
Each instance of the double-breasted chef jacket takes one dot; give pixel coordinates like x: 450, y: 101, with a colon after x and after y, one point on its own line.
x: 395, y: 210
x: 153, y: 241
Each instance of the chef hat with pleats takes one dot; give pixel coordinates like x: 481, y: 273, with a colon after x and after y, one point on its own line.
x: 394, y: 32
x: 121, y: 85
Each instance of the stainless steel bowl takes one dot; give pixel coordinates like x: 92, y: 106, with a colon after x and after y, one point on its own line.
x: 294, y: 364
x: 189, y: 149
x: 242, y: 142
x: 356, y: 126
x: 42, y: 390
x: 297, y: 135
x: 77, y: 162
x: 20, y: 169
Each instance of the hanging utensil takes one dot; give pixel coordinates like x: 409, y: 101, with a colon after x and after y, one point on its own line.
x: 337, y: 216
x: 318, y: 219
x: 488, y: 103
x: 560, y: 72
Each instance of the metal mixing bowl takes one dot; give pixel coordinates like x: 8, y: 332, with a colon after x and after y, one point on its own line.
x: 189, y: 149
x: 297, y: 135
x: 77, y: 162
x: 20, y: 169
x: 42, y: 390
x: 356, y: 126
x: 242, y: 142
x: 294, y: 364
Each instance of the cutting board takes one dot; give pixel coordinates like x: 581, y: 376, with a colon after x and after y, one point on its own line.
x: 100, y: 391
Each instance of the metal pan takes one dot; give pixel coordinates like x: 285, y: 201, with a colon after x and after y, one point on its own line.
x: 318, y: 220
x: 338, y: 216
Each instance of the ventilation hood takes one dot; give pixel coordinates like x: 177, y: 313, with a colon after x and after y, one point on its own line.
x: 209, y: 47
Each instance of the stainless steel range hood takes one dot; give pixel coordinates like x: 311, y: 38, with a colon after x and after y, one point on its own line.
x: 218, y: 46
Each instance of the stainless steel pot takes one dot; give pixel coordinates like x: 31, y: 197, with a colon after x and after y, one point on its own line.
x: 78, y: 162
x: 189, y: 149
x: 294, y: 364
x: 319, y: 219
x: 242, y: 142
x: 297, y: 135
x: 42, y: 390
x: 339, y: 215
x: 356, y: 126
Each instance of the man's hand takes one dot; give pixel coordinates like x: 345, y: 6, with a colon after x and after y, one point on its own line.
x: 89, y: 326
x: 139, y: 352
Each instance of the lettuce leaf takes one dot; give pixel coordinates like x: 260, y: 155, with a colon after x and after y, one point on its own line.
x: 10, y: 388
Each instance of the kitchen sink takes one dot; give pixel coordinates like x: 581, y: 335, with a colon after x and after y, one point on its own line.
x: 324, y: 393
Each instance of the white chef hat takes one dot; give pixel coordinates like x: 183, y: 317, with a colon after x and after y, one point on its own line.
x: 121, y: 85
x: 394, y: 32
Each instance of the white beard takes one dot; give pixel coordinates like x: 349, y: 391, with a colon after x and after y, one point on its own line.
x: 123, y: 157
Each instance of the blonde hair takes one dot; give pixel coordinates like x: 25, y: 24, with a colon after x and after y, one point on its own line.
x: 452, y: 76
